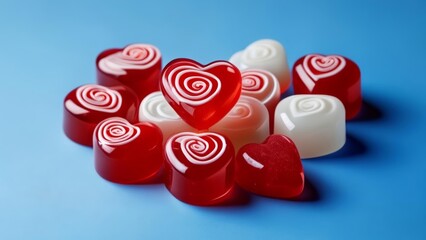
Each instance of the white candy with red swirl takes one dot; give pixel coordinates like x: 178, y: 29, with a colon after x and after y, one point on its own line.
x: 261, y: 85
x: 192, y: 85
x: 154, y: 108
x: 198, y: 149
x: 316, y: 123
x: 247, y: 122
x: 99, y: 98
x: 133, y: 57
x: 265, y: 54
x: 116, y: 131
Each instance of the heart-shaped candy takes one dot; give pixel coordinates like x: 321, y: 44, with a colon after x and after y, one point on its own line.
x: 266, y: 54
x: 272, y: 169
x: 199, y: 167
x: 332, y: 75
x: 201, y: 94
x: 87, y: 105
x: 126, y: 153
x: 137, y: 66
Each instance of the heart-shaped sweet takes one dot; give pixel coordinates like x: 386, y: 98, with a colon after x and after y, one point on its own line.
x: 199, y: 167
x: 272, y: 169
x: 127, y: 153
x: 201, y: 94
x: 87, y: 105
x: 332, y: 75
x: 266, y: 54
x: 137, y: 66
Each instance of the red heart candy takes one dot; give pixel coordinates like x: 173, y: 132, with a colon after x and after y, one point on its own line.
x: 199, y: 167
x: 332, y: 75
x: 201, y: 95
x: 126, y: 153
x: 87, y: 105
x: 272, y: 169
x: 137, y: 66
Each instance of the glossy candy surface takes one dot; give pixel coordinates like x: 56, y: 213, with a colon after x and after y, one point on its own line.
x: 137, y: 66
x: 266, y: 54
x: 332, y: 75
x: 247, y: 122
x: 263, y: 86
x: 199, y: 167
x: 201, y: 94
x: 126, y: 153
x: 87, y: 105
x: 316, y: 123
x: 154, y: 108
x: 272, y: 169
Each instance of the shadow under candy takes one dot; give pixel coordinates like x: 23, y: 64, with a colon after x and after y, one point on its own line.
x: 310, y: 193
x: 353, y: 147
x: 369, y: 111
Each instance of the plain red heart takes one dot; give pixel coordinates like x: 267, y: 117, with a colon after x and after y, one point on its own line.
x: 272, y: 169
x: 201, y: 94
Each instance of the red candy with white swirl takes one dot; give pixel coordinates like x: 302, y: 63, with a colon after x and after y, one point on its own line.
x: 137, y: 66
x: 332, y: 75
x: 201, y: 94
x: 87, y: 105
x: 127, y: 153
x: 199, y: 167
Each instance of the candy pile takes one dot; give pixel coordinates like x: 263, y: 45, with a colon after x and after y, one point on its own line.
x: 211, y: 126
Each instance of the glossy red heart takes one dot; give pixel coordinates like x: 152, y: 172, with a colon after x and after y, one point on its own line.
x: 272, y: 169
x: 137, y: 66
x: 125, y: 152
x: 199, y: 167
x: 87, y: 105
x: 333, y: 75
x: 201, y: 94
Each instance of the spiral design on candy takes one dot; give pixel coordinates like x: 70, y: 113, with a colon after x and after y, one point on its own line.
x: 309, y: 105
x: 259, y: 84
x: 198, y: 149
x: 242, y: 110
x: 135, y: 56
x: 259, y: 51
x: 191, y: 85
x: 116, y: 131
x: 155, y: 108
x: 99, y: 98
x: 319, y: 66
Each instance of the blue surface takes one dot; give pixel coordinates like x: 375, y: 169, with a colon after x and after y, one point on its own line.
x: 373, y: 188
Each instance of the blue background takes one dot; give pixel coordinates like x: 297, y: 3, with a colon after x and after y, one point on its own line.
x: 373, y: 188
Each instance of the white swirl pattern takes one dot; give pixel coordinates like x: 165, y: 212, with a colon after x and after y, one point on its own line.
x: 260, y: 84
x: 192, y: 84
x: 327, y: 66
x: 155, y: 108
x: 116, y: 131
x: 260, y: 51
x: 198, y: 149
x: 302, y: 106
x: 135, y: 56
x: 99, y: 98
